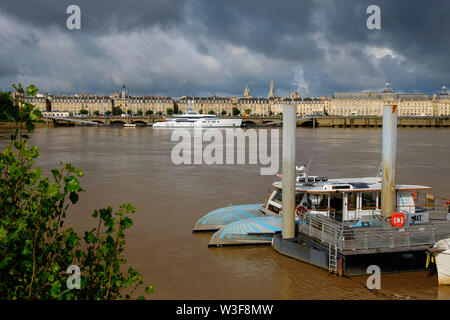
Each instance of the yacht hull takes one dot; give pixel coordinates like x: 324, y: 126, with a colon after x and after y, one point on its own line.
x: 222, y: 123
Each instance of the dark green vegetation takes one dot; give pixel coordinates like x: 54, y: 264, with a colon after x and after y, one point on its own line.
x: 36, y: 248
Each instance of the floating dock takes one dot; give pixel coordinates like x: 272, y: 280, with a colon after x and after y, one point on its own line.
x: 323, y: 242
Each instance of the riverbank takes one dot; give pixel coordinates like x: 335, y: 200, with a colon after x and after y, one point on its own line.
x: 5, y: 124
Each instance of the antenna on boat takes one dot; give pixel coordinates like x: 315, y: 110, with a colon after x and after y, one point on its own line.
x: 380, y: 170
x: 309, y: 164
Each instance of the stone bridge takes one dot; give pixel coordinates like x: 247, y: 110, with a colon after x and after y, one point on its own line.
x: 318, y: 121
x: 372, y: 121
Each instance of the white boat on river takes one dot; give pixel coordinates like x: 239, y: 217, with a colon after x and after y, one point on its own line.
x: 193, y: 119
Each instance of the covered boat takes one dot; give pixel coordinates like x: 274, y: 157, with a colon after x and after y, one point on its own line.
x: 354, y: 202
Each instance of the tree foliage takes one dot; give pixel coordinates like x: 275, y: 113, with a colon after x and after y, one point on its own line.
x: 35, y: 246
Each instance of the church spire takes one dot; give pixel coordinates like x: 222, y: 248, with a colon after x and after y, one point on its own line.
x: 271, y: 92
x: 247, y: 92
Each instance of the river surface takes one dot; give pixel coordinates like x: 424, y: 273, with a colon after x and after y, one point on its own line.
x: 134, y: 165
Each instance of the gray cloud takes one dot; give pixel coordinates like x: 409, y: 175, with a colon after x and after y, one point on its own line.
x: 201, y: 47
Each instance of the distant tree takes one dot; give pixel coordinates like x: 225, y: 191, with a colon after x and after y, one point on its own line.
x: 247, y: 111
x: 236, y: 112
x: 180, y: 111
x: 223, y: 113
x: 201, y: 111
x: 148, y: 112
x: 96, y: 113
x: 108, y: 113
x: 211, y: 112
x: 140, y: 112
x: 84, y: 111
x: 169, y: 111
x: 129, y: 112
x: 117, y: 111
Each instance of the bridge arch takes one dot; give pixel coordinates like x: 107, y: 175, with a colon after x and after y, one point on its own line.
x: 140, y: 122
x: 305, y: 123
x: 117, y: 122
x: 249, y: 123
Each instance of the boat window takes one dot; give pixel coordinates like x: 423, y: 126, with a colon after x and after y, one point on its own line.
x: 336, y: 201
x: 351, y: 200
x: 318, y: 201
x: 340, y: 187
x: 278, y: 196
x: 369, y: 200
x: 299, y: 198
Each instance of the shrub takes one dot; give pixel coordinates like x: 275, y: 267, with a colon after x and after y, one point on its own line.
x: 36, y: 248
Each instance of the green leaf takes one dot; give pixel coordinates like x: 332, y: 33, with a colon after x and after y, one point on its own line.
x: 55, y: 288
x: 31, y: 90
x: 3, y: 233
x: 73, y: 197
x: 73, y: 185
x: 35, y: 114
x: 150, y: 289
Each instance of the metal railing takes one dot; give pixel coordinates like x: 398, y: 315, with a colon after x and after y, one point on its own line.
x: 335, y: 233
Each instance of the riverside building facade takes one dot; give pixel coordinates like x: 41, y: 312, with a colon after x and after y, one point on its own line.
x: 344, y: 104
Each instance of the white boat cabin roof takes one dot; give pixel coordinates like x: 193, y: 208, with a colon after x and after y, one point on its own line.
x: 315, y: 184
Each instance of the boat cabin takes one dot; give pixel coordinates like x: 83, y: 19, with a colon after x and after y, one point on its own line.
x: 355, y: 202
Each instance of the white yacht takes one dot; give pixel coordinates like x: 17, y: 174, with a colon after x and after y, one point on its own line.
x: 191, y: 119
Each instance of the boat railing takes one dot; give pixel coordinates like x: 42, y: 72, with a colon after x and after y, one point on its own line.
x: 344, y: 237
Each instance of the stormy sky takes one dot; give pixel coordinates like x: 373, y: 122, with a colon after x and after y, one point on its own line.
x: 204, y: 47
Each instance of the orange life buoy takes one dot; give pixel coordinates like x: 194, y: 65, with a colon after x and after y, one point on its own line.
x: 301, y: 208
x: 398, y: 219
x: 414, y: 195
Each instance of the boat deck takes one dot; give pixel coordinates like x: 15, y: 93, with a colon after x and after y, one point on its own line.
x: 375, y: 238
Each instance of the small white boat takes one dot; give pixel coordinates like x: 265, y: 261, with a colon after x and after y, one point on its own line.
x: 129, y: 125
x: 441, y: 251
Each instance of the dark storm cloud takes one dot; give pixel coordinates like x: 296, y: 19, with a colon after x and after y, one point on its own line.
x: 280, y: 29
x: 97, y: 15
x: 202, y: 47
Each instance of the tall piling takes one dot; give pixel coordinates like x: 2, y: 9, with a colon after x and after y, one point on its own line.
x: 389, y: 157
x: 288, y: 162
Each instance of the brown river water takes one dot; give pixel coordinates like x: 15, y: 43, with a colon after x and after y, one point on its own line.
x: 134, y: 165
